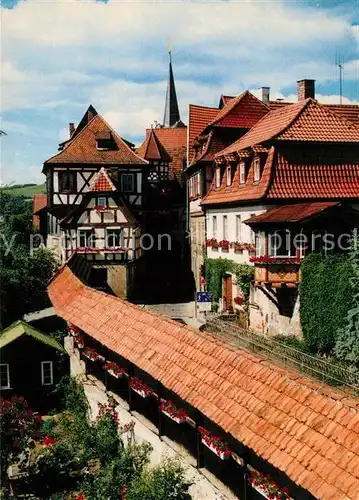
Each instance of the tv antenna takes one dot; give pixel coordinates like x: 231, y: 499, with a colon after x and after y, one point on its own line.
x: 339, y: 61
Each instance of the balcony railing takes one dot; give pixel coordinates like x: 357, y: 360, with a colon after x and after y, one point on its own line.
x: 276, y: 271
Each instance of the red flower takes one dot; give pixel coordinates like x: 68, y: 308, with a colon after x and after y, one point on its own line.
x: 48, y: 441
x: 38, y: 418
x: 81, y: 497
x: 137, y: 385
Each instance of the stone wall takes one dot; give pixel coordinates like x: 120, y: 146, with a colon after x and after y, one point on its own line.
x: 117, y: 280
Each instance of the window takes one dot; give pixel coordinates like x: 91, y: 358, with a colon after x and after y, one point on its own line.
x: 127, y: 183
x: 260, y: 243
x: 218, y: 177
x: 242, y: 173
x: 257, y: 170
x: 85, y: 238
x: 225, y: 227
x: 104, y: 144
x: 238, y: 228
x: 67, y: 182
x: 281, y: 244
x: 47, y: 375
x: 4, y: 376
x: 101, y: 202
x: 229, y: 176
x: 214, y: 226
x: 114, y: 238
x: 253, y: 234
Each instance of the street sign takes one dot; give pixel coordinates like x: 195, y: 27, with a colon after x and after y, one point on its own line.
x: 203, y: 297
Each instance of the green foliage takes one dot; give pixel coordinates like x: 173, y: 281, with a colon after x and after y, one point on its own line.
x: 165, y: 482
x: 48, y: 427
x: 325, y: 296
x: 26, y: 190
x: 292, y: 341
x: 217, y: 268
x: 347, y: 344
x: 24, y: 274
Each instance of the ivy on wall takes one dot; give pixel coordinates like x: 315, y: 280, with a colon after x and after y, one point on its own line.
x: 325, y: 297
x: 216, y: 269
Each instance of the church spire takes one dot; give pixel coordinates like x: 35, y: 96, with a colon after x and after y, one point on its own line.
x: 171, y: 117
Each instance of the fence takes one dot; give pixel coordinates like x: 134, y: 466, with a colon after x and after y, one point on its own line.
x: 326, y: 371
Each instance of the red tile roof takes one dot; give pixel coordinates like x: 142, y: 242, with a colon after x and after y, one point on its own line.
x: 102, y: 182
x: 288, y: 175
x: 308, y: 431
x: 243, y: 111
x: 348, y: 111
x: 199, y: 117
x: 303, y: 121
x: 292, y: 213
x: 82, y: 149
x: 39, y: 201
x: 171, y: 143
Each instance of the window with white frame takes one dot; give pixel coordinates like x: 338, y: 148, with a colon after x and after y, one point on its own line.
x: 218, y: 177
x: 260, y: 243
x: 199, y: 184
x: 280, y: 244
x: 85, y: 238
x: 47, y: 373
x: 4, y: 376
x: 225, y: 227
x: 238, y: 228
x: 114, y: 237
x: 242, y: 173
x: 229, y: 175
x: 253, y: 235
x: 257, y: 170
x: 214, y: 226
x: 101, y: 202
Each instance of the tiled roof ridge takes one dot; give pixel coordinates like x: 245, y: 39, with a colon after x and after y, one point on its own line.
x: 306, y: 104
x: 214, y: 108
x: 227, y: 108
x: 82, y: 131
x: 331, y: 113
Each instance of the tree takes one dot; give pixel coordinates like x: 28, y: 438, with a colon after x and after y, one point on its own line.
x: 347, y: 344
x: 24, y: 273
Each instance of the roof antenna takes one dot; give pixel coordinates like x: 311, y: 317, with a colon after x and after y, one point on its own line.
x: 169, y: 48
x: 339, y: 61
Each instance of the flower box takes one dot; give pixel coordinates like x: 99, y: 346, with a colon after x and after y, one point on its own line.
x: 215, y: 444
x: 221, y: 454
x: 265, y: 259
x: 114, y: 369
x: 92, y: 355
x: 267, y: 487
x: 115, y: 249
x: 140, y: 387
x: 224, y: 244
x: 212, y: 243
x: 73, y: 330
x: 178, y: 415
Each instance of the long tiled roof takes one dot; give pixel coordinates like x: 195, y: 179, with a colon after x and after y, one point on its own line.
x: 82, y: 149
x: 297, y: 212
x: 309, y: 432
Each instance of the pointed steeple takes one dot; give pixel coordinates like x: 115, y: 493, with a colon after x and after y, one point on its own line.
x: 171, y: 117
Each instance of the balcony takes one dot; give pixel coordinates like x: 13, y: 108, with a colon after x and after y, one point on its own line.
x: 278, y: 272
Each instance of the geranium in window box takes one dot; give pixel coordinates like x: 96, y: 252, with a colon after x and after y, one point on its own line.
x: 265, y: 259
x: 100, y: 208
x: 237, y: 247
x: 224, y: 244
x: 73, y: 330
x: 114, y: 369
x: 178, y: 415
x: 267, y: 487
x: 140, y: 387
x: 79, y: 341
x: 92, y: 354
x: 212, y: 243
x: 215, y: 444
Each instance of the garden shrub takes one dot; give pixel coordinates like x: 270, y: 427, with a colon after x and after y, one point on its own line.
x: 325, y: 297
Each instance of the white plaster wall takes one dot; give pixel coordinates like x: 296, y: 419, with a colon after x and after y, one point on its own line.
x: 264, y: 316
x: 195, y: 206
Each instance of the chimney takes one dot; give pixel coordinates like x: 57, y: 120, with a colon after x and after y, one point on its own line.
x: 71, y: 129
x: 265, y: 94
x: 305, y: 89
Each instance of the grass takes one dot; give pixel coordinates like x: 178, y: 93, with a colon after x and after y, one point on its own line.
x: 26, y: 191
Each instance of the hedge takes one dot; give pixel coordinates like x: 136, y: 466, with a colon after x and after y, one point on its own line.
x: 325, y: 297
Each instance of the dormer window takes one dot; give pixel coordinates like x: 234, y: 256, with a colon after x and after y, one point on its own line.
x: 229, y: 175
x: 101, y: 202
x: 104, y: 141
x: 257, y: 170
x: 242, y: 173
x: 218, y: 177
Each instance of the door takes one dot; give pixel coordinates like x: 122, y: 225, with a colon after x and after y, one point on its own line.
x: 227, y: 292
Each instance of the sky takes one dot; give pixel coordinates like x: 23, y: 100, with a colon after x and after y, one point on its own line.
x: 57, y: 57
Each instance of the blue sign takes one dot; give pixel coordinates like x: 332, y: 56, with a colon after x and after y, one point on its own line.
x: 204, y: 297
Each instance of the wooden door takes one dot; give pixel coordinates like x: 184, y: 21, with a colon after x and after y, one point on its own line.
x: 227, y: 292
